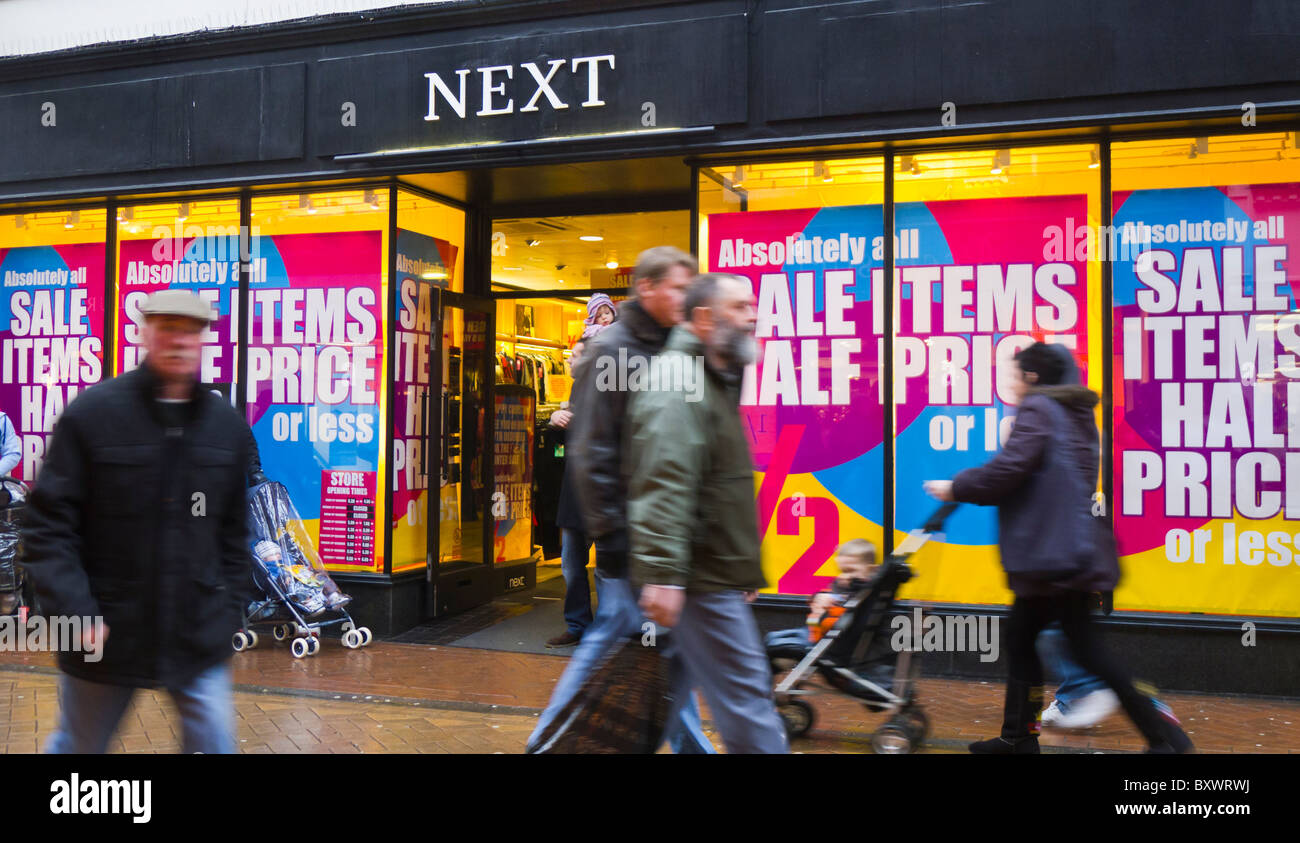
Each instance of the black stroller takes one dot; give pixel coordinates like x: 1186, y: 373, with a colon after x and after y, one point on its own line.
x: 297, y: 597
x: 855, y: 657
x: 15, y: 597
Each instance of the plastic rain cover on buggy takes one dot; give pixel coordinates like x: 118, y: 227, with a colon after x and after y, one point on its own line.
x: 13, y: 495
x: 285, y: 562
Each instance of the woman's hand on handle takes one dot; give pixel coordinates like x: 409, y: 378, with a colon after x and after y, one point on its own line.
x: 940, y: 490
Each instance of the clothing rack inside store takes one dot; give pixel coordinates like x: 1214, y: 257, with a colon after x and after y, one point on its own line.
x: 531, y: 342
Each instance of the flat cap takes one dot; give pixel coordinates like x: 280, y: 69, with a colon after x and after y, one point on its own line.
x: 177, y: 303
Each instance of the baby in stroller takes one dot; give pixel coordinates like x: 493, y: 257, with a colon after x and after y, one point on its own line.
x: 856, y: 559
x: 857, y: 563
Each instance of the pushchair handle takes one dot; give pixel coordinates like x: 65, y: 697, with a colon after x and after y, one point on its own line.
x: 934, y: 523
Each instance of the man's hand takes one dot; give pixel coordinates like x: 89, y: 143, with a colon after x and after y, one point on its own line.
x: 751, y: 596
x: 662, y: 604
x: 560, y: 418
x: 939, y: 489
x: 820, y: 603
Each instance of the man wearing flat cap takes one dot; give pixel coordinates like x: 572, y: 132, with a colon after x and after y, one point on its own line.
x: 137, y: 517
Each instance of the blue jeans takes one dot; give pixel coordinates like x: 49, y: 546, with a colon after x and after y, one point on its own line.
x: 617, y: 617
x: 797, y: 637
x: 91, y: 711
x: 575, y: 549
x: 1076, y: 683
x: 716, y: 647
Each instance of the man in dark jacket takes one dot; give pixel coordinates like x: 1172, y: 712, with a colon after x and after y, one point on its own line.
x: 694, y: 526
x: 595, y: 455
x: 138, y: 516
x: 1042, y: 481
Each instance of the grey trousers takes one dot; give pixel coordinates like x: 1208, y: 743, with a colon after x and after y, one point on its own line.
x: 716, y: 648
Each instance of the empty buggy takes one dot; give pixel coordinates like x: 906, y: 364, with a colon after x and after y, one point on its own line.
x: 297, y: 597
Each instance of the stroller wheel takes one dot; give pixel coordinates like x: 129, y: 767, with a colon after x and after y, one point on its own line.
x: 281, y: 631
x: 315, y: 645
x: 239, y: 641
x: 352, y: 639
x: 797, y: 716
x: 366, y: 637
x: 253, y: 640
x: 893, y: 738
x: 300, y: 648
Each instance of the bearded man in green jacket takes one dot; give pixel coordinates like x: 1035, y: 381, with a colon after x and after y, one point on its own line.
x: 692, y: 522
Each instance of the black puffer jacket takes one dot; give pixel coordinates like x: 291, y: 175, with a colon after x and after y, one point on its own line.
x: 595, y: 447
x: 145, y: 526
x: 1030, y: 494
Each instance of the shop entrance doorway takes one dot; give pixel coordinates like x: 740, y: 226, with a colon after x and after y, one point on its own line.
x: 456, y: 465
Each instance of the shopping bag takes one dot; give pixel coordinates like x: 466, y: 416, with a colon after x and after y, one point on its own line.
x: 621, y: 708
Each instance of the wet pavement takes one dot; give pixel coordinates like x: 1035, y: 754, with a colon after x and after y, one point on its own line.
x: 419, y: 698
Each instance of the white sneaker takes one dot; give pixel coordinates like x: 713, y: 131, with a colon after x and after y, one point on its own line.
x: 1052, y: 715
x: 1087, y: 712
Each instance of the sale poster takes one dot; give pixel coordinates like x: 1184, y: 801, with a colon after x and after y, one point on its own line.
x: 315, y: 375
x: 423, y: 263
x: 512, y: 501
x: 208, y: 266
x: 1207, y: 399
x: 51, y: 338
x: 975, y: 280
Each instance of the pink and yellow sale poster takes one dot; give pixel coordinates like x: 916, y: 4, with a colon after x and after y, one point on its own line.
x: 208, y: 267
x: 975, y: 281
x: 51, y: 338
x: 315, y: 387
x: 1207, y: 399
x: 423, y: 263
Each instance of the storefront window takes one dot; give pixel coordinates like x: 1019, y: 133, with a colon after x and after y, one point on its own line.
x: 316, y: 388
x: 431, y: 256
x: 992, y: 253
x: 51, y: 320
x: 808, y: 236
x: 596, y: 251
x: 185, y: 245
x: 1206, y: 396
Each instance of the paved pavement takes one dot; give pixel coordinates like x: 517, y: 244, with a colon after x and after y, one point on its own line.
x: 418, y: 698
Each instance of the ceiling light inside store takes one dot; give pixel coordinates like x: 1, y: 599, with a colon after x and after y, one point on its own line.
x: 1095, y: 161
x: 72, y: 220
x: 738, y: 177
x: 611, y: 265
x: 907, y: 164
x: 531, y: 242
x: 1001, y: 160
x: 184, y: 213
x: 371, y: 199
x: 822, y: 171
x: 591, y: 238
x: 20, y: 221
x: 125, y: 214
x: 433, y: 276
x: 513, y: 268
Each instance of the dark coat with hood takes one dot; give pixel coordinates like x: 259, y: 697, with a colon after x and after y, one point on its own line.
x: 1030, y: 494
x: 145, y: 525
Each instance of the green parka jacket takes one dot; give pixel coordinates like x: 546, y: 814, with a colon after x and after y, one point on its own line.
x: 691, y: 509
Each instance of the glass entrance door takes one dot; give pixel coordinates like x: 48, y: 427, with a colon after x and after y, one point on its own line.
x: 456, y: 422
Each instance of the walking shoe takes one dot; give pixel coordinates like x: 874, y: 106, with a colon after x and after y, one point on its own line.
x: 1176, y: 741
x: 1087, y: 712
x: 566, y: 640
x: 1002, y: 746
